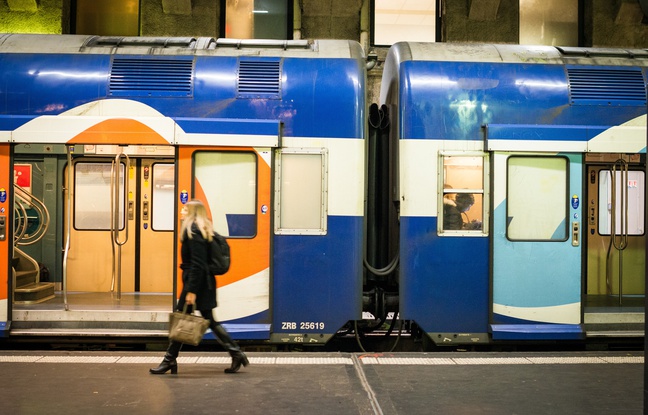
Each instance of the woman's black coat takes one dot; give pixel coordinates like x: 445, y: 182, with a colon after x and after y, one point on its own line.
x: 195, y: 275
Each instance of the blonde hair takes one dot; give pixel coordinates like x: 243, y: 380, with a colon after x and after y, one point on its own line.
x: 197, y: 214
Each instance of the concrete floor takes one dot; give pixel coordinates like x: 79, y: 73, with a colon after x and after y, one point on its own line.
x: 53, y: 383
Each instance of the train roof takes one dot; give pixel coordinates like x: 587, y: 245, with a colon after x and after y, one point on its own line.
x: 509, y: 53
x: 402, y: 52
x: 205, y: 46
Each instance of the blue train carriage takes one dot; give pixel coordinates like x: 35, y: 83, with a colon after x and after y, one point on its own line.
x: 521, y: 190
x: 268, y: 134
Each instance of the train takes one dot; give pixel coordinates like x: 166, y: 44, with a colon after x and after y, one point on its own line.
x: 542, y: 151
x: 494, y: 195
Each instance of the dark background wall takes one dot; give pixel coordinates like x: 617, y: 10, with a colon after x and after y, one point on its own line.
x: 606, y: 23
x: 203, y: 20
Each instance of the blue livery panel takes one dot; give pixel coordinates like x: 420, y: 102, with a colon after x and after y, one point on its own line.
x: 314, y: 95
x: 453, y: 100
x: 318, y: 280
x: 444, y: 280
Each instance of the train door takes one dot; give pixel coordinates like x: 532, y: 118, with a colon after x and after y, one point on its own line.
x: 234, y: 184
x: 157, y: 220
x: 122, y: 222
x: 6, y: 234
x: 615, y: 233
x: 536, y: 276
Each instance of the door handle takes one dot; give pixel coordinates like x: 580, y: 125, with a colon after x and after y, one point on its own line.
x: 575, y: 233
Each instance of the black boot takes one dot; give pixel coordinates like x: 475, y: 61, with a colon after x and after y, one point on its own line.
x: 166, y: 365
x: 169, y: 362
x: 239, y: 358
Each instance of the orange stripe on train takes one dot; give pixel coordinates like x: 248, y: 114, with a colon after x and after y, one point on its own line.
x: 119, y: 131
x: 6, y: 183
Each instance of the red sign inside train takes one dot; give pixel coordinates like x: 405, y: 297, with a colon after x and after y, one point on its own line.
x: 23, y: 176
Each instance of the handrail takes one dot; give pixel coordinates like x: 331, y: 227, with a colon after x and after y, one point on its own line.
x: 112, y: 221
x: 68, y: 227
x: 116, y: 190
x: 27, y: 198
x: 114, y: 212
x: 620, y: 241
x: 21, y: 226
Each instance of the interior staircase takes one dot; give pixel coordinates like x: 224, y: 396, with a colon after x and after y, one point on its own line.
x: 28, y: 288
x: 31, y: 223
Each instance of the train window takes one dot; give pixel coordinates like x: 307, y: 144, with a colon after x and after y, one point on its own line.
x: 258, y: 19
x: 627, y: 207
x: 92, y: 196
x: 107, y: 17
x: 549, y: 22
x: 227, y: 182
x: 301, y: 189
x: 163, y: 195
x: 537, y: 199
x: 403, y: 21
x: 463, y: 194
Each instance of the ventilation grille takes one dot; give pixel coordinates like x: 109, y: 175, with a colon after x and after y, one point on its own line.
x: 151, y: 77
x: 607, y: 86
x: 259, y: 79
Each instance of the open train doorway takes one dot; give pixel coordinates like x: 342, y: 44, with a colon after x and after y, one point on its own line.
x: 110, y: 246
x: 121, y: 205
x: 615, y: 223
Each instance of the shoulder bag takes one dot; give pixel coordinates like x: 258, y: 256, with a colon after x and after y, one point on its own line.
x: 187, y: 328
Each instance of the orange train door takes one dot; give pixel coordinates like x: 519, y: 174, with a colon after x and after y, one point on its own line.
x: 121, y: 238
x: 6, y: 232
x: 234, y: 184
x: 156, y: 226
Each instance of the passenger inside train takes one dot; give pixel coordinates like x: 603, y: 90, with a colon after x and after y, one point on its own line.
x: 464, y: 202
x: 455, y: 212
x: 452, y: 219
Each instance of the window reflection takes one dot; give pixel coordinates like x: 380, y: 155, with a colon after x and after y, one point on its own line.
x: 302, y: 185
x: 549, y: 22
x: 413, y: 21
x: 627, y: 205
x: 536, y: 198
x: 227, y: 181
x: 163, y: 197
x: 92, y: 196
x: 107, y: 17
x: 256, y: 19
x: 463, y: 193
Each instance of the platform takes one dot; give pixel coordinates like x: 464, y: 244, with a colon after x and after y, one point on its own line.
x: 464, y: 383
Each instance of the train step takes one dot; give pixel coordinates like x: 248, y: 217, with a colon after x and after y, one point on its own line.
x: 34, y: 293
x: 25, y: 278
x: 614, y: 330
x: 616, y: 323
x: 153, y: 334
x: 90, y: 323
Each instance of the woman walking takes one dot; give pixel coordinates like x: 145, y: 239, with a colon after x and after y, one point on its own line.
x: 199, y: 286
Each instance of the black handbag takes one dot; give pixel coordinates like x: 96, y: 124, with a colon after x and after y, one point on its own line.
x: 187, y: 328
